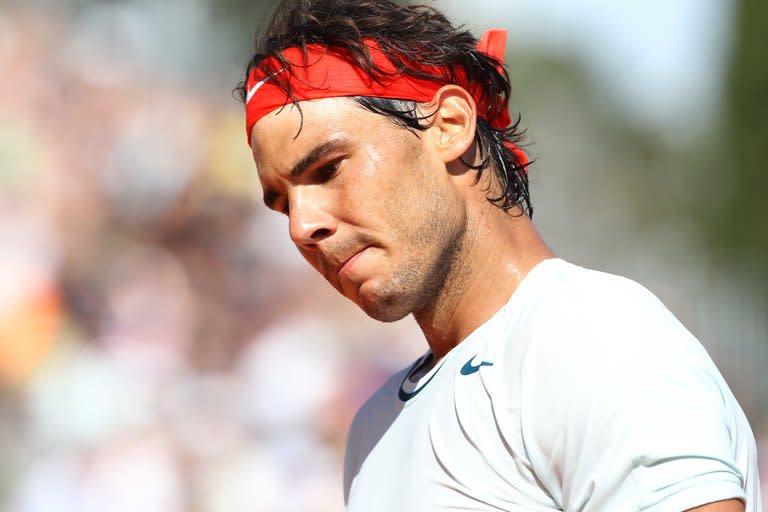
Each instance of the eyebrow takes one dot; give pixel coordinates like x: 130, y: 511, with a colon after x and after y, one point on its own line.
x: 320, y: 151
x: 317, y: 153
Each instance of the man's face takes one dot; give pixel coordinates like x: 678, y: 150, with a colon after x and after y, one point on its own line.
x: 370, y: 204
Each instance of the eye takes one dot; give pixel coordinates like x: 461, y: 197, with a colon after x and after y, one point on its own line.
x: 326, y: 171
x: 280, y: 207
x: 275, y: 201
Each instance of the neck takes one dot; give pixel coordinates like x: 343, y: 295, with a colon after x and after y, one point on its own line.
x: 499, y: 250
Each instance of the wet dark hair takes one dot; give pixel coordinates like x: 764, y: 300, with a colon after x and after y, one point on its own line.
x: 406, y: 33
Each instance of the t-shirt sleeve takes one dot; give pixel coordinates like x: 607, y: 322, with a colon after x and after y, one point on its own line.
x: 622, y: 409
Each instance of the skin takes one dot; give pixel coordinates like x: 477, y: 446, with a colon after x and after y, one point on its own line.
x: 394, y: 220
x: 422, y: 237
x: 721, y: 506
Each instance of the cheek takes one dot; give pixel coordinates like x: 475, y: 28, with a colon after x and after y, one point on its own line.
x: 416, y: 195
x: 388, y: 184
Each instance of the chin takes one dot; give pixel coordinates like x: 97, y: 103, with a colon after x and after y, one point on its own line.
x: 383, y: 307
x: 384, y: 314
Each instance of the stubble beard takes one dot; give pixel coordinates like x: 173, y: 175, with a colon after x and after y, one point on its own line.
x: 422, y: 280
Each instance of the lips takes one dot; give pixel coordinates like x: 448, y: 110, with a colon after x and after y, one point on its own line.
x: 346, y: 266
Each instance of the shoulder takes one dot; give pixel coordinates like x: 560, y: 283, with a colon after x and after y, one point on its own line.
x: 618, y: 399
x: 593, y: 332
x: 574, y: 332
x: 370, y: 423
x: 381, y: 405
x: 586, y: 316
x: 581, y: 295
x: 377, y: 412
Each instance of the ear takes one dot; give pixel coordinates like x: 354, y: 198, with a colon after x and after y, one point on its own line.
x: 453, y: 127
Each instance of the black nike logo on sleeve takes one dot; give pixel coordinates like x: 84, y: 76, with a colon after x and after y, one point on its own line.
x: 469, y: 369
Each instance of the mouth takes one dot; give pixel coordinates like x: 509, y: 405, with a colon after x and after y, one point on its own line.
x: 347, y: 264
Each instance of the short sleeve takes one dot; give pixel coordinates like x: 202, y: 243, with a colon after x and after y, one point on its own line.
x: 622, y: 409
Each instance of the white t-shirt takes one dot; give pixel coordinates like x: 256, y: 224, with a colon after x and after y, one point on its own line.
x: 583, y: 393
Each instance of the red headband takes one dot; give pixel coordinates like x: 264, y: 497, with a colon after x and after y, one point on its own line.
x: 328, y: 72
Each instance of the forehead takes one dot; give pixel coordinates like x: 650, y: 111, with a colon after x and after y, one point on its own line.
x: 286, y: 133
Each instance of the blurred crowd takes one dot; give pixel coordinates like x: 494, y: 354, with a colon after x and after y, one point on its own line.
x: 162, y: 346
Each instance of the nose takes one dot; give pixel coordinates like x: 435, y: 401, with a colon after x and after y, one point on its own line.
x: 309, y: 220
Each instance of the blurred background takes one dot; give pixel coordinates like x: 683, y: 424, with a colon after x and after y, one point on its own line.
x: 162, y: 345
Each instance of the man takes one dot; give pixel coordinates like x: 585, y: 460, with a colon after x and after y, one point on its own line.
x: 383, y: 133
